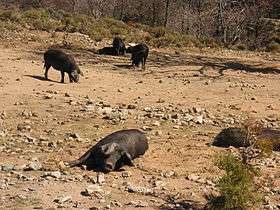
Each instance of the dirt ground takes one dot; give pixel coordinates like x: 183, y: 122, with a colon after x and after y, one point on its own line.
x: 37, y: 117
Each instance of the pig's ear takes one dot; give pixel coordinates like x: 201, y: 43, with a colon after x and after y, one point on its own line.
x: 108, y: 149
x: 126, y: 158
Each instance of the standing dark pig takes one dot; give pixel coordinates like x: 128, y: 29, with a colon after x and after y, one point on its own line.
x: 139, y: 54
x: 114, y: 151
x: 62, y: 62
x: 119, y: 46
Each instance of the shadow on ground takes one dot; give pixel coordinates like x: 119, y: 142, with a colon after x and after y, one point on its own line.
x: 41, y: 78
x: 165, y: 60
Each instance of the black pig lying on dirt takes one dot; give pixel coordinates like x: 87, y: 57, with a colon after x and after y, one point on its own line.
x: 119, y: 46
x: 139, y: 54
x: 62, y: 62
x: 114, y: 151
x: 107, y: 51
x: 238, y: 137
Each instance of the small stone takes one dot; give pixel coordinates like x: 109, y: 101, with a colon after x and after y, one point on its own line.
x: 126, y: 174
x: 67, y: 95
x: 7, y: 167
x: 138, y: 204
x: 33, y: 167
x: 168, y: 174
x: 197, y: 109
x: 92, y: 189
x: 159, y: 183
x: 267, y: 200
x: 75, y: 135
x: 61, y: 165
x: 188, y: 117
x: 146, y: 128
x: 160, y: 100
x: 156, y: 123
x: 48, y: 96
x: 62, y: 199
x: 193, y: 177
x: 137, y: 189
x: 198, y: 119
x: 266, y: 189
x: 54, y: 174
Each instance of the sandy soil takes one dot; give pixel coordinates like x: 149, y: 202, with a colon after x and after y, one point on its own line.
x: 36, y: 117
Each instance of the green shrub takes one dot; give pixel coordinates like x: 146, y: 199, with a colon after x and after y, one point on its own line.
x: 237, y: 189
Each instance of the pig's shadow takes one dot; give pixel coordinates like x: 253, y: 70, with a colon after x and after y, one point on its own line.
x: 124, y: 66
x: 41, y: 78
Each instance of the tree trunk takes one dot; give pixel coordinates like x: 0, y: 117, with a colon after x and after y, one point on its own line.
x: 167, y: 4
x: 154, y: 14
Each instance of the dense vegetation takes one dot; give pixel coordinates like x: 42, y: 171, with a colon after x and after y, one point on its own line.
x: 252, y: 24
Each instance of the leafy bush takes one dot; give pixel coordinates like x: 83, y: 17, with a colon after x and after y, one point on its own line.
x: 58, y: 20
x: 237, y: 189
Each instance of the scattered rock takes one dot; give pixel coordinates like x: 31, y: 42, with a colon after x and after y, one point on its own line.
x: 62, y: 199
x: 138, y: 204
x: 193, y: 177
x: 7, y: 167
x: 33, y: 167
x: 126, y: 174
x: 198, y: 119
x: 54, y: 174
x: 92, y: 189
x: 140, y: 190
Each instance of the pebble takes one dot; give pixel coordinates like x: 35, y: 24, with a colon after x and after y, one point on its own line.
x: 188, y: 117
x: 7, y: 167
x: 168, y: 174
x: 62, y: 199
x: 156, y: 123
x: 193, y: 177
x: 33, y: 167
x: 140, y: 190
x: 54, y: 174
x: 94, y: 188
x: 198, y: 119
x: 126, y: 174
